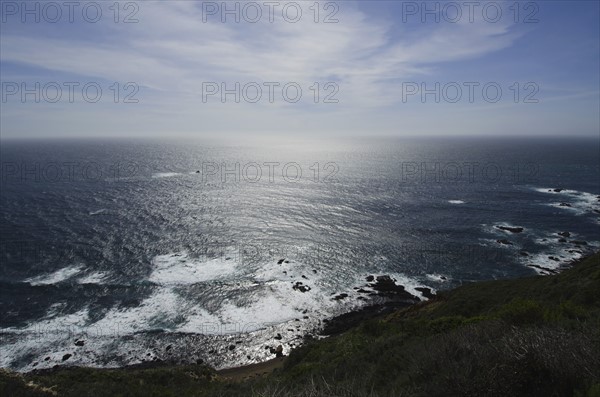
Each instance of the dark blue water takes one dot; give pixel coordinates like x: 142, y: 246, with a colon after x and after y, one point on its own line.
x: 133, y: 246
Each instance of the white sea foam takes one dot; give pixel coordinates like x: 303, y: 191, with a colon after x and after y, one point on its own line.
x: 492, y: 229
x: 487, y: 242
x: 179, y: 268
x: 579, y: 202
x: 55, y: 309
x: 200, y: 321
x: 50, y: 337
x: 279, y: 301
x: 410, y: 284
x: 164, y: 174
x: 551, y: 190
x: 556, y: 254
x: 496, y: 228
x: 161, y: 310
x: 456, y: 201
x: 55, y: 277
x: 98, y: 212
x: 440, y: 278
x: 542, y: 260
x: 272, y: 308
x: 93, y: 278
x: 269, y: 300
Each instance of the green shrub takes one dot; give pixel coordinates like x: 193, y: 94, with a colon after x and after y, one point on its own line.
x: 593, y: 391
x: 522, y: 311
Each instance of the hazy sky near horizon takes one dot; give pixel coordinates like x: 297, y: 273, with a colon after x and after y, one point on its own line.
x: 291, y: 68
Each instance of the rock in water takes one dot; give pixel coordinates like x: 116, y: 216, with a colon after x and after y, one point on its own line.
x: 279, y: 351
x: 426, y: 292
x: 299, y: 286
x: 516, y: 229
x: 579, y: 242
x: 388, y: 288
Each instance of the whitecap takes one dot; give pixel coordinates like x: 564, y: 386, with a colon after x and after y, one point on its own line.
x: 180, y: 269
x: 410, y: 285
x: 550, y: 261
x: 38, y: 336
x: 440, y: 278
x: 164, y: 174
x: 93, y: 278
x: 161, y: 310
x: 55, y: 277
x: 578, y: 202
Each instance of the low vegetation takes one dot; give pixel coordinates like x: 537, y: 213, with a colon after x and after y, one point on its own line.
x: 537, y: 336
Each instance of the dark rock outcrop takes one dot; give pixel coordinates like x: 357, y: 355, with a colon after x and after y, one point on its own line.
x: 426, y: 292
x: 299, y: 286
x: 579, y: 242
x: 516, y: 229
x: 546, y: 269
x: 386, y: 287
x: 340, y: 296
x: 277, y: 351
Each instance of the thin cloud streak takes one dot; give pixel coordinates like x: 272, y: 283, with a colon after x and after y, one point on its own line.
x: 180, y: 52
x: 170, y: 53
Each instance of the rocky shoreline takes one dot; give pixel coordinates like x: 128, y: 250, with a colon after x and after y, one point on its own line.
x: 385, y: 296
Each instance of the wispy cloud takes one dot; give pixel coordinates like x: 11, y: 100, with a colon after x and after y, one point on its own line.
x: 171, y: 52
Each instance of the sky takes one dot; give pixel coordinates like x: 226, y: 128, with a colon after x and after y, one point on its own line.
x: 303, y: 68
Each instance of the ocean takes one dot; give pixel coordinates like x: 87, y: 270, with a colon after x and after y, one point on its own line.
x: 119, y: 252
